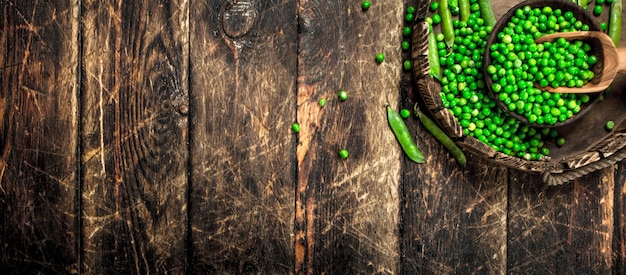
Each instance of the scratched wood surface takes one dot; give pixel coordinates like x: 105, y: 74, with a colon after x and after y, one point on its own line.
x: 134, y: 130
x: 156, y: 137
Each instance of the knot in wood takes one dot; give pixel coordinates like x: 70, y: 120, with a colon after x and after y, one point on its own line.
x: 238, y: 17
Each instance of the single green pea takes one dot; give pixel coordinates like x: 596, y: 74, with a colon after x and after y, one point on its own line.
x: 405, y: 113
x: 603, y: 26
x: 407, y: 65
x: 434, y: 6
x: 560, y: 141
x: 343, y: 95
x: 366, y: 5
x: 322, y: 102
x: 409, y: 17
x: 406, y: 31
x: 405, y: 45
x: 380, y: 57
x: 295, y: 127
x: 436, y: 19
x: 343, y: 153
x: 597, y: 10
x: 410, y: 9
x: 609, y: 125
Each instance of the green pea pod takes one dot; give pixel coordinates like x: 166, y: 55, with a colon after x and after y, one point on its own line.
x: 433, y: 54
x: 465, y: 12
x: 486, y: 12
x: 403, y: 136
x: 446, y: 22
x: 615, y: 21
x: 441, y: 137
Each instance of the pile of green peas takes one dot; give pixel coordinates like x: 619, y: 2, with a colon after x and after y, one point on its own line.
x: 464, y: 93
x: 517, y: 63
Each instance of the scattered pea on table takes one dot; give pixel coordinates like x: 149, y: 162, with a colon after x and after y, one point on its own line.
x: 406, y: 31
x: 409, y: 17
x: 405, y: 45
x: 380, y: 57
x: 343, y: 95
x: 366, y: 5
x: 597, y: 10
x: 405, y: 113
x: 407, y: 65
x: 343, y: 153
x: 609, y: 125
x: 295, y: 127
x: 322, y: 102
x: 560, y: 141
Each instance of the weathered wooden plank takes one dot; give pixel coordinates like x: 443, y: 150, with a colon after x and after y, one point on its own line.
x: 619, y: 220
x: 38, y: 137
x: 454, y: 220
x: 243, y: 85
x: 567, y: 228
x: 347, y: 210
x: 134, y: 132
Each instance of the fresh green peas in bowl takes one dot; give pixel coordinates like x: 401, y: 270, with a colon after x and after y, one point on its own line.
x: 516, y: 68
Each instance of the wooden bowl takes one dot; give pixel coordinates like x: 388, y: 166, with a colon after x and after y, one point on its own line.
x: 579, y: 13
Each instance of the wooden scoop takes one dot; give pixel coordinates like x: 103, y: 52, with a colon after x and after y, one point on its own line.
x: 612, y: 60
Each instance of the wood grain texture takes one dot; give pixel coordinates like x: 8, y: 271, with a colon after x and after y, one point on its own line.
x: 347, y: 210
x: 38, y: 137
x: 561, y: 229
x: 243, y: 85
x: 454, y: 220
x: 619, y: 220
x: 134, y: 115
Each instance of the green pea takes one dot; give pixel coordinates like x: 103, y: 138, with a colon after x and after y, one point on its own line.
x: 406, y: 31
x: 405, y: 113
x: 410, y: 9
x: 436, y: 19
x: 343, y: 95
x: 322, y: 102
x: 295, y: 127
x: 407, y: 65
x: 560, y: 141
x: 434, y: 5
x: 343, y: 153
x: 609, y: 125
x: 409, y: 17
x: 597, y: 10
x: 380, y: 57
x: 405, y: 45
x: 366, y: 5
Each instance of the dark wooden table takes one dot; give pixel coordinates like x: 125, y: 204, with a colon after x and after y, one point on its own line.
x: 156, y: 138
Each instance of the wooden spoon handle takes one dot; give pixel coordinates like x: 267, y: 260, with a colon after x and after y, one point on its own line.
x: 621, y: 60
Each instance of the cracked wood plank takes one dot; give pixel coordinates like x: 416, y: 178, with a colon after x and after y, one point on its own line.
x: 134, y: 115
x: 243, y: 76
x: 38, y: 136
x: 347, y: 210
